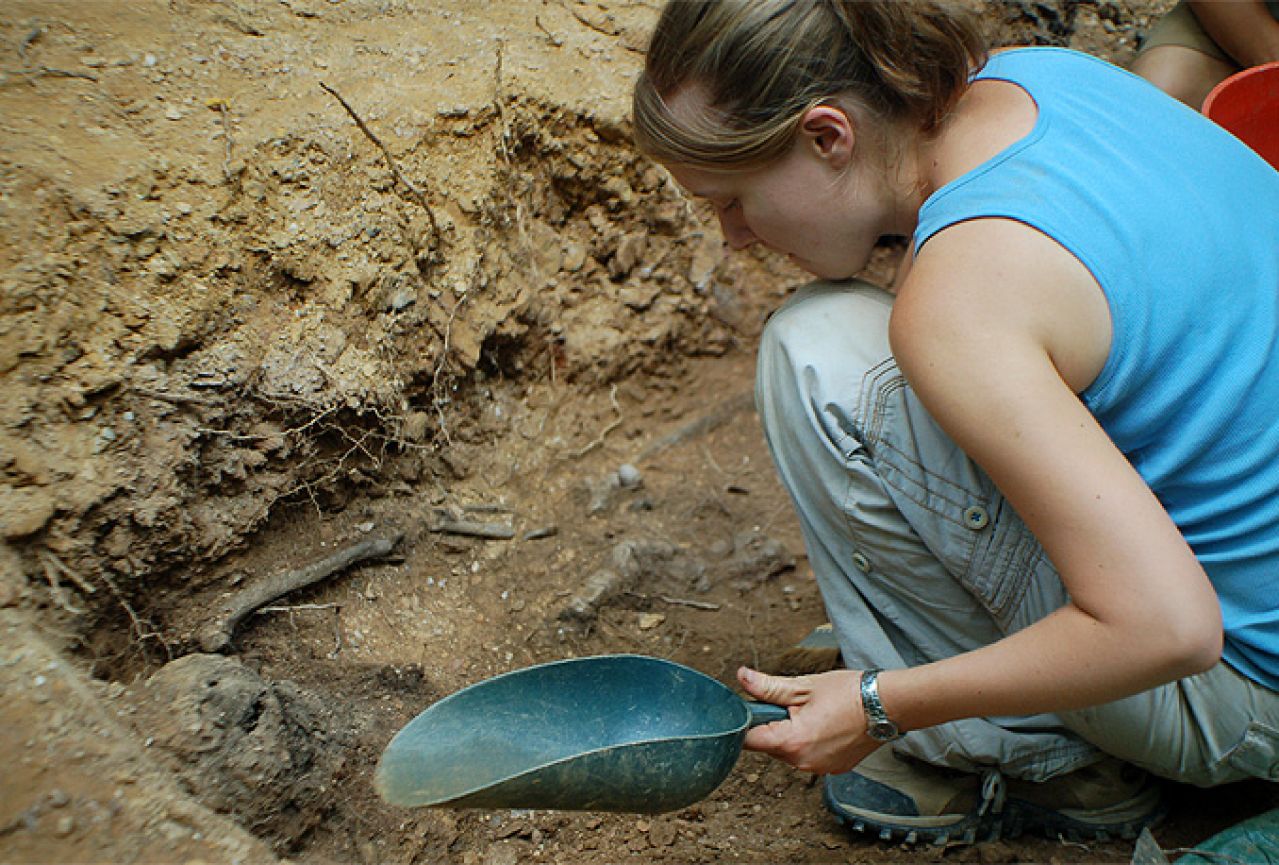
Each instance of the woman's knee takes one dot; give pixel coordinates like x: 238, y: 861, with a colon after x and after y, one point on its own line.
x: 825, y: 322
x: 820, y: 343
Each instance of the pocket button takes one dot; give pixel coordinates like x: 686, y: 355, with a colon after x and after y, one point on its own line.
x: 976, y: 518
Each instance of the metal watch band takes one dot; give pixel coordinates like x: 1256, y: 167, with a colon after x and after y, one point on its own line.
x: 878, y: 725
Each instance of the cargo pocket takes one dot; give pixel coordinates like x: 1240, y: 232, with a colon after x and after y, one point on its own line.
x: 1257, y: 754
x: 956, y: 509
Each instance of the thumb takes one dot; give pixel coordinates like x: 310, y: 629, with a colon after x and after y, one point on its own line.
x: 779, y: 690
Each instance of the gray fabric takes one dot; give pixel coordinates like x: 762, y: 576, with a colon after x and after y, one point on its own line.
x: 919, y: 557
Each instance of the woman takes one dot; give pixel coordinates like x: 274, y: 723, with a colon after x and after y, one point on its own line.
x: 1039, y: 487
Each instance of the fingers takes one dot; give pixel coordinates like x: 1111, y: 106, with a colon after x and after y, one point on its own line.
x: 770, y: 739
x: 779, y: 690
x: 776, y: 738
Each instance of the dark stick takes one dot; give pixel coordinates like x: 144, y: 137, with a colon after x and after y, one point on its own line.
x: 218, y: 635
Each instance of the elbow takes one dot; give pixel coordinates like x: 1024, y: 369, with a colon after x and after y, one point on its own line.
x: 1195, y: 646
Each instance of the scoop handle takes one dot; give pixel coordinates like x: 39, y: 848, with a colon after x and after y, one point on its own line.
x: 766, y: 713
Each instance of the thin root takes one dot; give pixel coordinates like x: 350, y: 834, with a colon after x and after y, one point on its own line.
x: 599, y: 440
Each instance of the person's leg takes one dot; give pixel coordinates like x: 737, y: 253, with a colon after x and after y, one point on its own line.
x: 1183, y: 73
x: 916, y: 553
x: 1209, y: 729
x: 1181, y: 59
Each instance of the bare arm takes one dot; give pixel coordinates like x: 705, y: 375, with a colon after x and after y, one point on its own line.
x: 1244, y: 29
x: 984, y: 331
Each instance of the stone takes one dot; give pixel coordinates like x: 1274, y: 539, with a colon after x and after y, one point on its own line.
x: 25, y: 511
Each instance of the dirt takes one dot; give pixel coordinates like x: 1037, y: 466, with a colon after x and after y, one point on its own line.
x: 282, y: 277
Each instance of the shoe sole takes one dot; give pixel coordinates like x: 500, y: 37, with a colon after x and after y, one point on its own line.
x: 960, y: 833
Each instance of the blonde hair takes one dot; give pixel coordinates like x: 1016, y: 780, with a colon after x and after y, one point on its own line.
x: 761, y: 64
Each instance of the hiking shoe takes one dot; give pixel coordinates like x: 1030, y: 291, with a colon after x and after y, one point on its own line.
x: 1109, y: 799
x: 888, y: 796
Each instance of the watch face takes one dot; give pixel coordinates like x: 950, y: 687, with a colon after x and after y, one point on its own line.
x: 883, y: 731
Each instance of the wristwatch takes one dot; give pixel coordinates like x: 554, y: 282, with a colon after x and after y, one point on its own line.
x: 878, y: 726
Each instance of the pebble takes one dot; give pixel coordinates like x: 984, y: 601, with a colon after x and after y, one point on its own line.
x: 629, y: 476
x: 65, y: 826
x: 173, y: 113
x: 649, y: 621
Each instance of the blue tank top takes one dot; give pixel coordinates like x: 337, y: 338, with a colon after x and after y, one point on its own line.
x: 1179, y: 224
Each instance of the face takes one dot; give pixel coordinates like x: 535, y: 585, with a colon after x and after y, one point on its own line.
x: 817, y: 204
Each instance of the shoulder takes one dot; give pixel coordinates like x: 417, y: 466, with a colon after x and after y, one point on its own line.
x: 982, y: 289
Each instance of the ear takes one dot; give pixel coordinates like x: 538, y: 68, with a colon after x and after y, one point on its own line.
x: 829, y: 131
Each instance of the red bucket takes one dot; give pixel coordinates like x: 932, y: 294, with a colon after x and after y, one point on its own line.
x: 1247, y: 105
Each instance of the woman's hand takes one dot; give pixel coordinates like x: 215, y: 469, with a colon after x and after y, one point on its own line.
x: 826, y: 733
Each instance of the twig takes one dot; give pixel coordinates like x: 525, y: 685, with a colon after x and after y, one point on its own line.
x: 175, y: 398
x: 539, y: 534
x: 218, y: 635
x: 598, y: 28
x: 296, y: 608
x: 685, y: 602
x: 492, y: 531
x: 50, y: 558
x: 134, y: 618
x: 225, y: 115
x: 719, y: 416
x: 499, y: 103
x: 599, y: 440
x: 56, y: 73
x: 28, y: 41
x: 390, y: 160
x: 1066, y: 842
x: 53, y: 567
x: 483, y: 508
x: 555, y: 41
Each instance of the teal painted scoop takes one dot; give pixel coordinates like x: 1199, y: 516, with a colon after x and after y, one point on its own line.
x: 609, y: 733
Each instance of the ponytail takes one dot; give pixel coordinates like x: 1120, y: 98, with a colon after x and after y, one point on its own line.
x: 761, y: 64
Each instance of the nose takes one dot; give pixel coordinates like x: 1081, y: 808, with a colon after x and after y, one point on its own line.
x: 737, y: 233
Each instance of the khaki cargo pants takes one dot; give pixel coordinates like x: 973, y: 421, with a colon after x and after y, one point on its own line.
x: 919, y: 557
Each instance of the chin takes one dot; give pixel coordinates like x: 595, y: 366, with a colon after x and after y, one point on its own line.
x: 830, y: 274
x: 829, y: 271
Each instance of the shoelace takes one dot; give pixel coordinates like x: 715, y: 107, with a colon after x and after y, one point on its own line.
x: 993, y: 793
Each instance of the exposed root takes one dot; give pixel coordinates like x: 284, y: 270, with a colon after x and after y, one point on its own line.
x: 218, y: 635
x: 599, y: 440
x: 53, y: 568
x: 417, y: 194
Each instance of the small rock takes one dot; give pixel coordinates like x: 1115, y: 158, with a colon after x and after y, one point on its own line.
x: 585, y: 605
x: 629, y: 476
x: 173, y: 113
x: 629, y: 251
x: 649, y: 621
x: 503, y: 853
x: 58, y: 798
x: 25, y: 510
x: 65, y: 826
x: 662, y: 834
x: 574, y: 256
